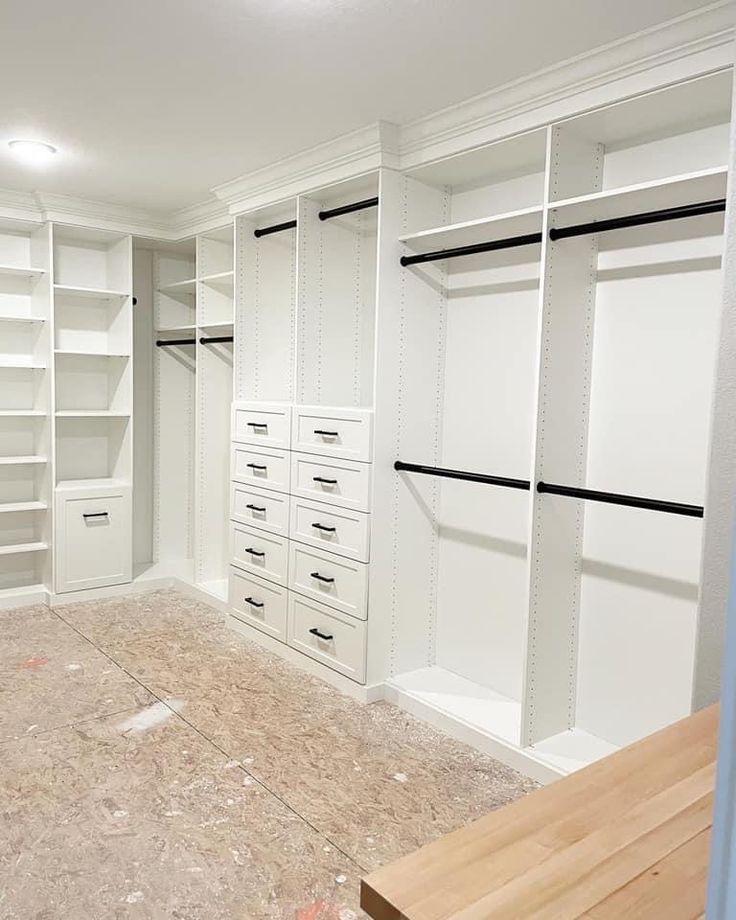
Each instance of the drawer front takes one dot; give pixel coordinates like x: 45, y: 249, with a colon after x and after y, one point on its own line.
x: 267, y: 469
x: 338, y: 482
x: 264, y: 424
x: 260, y: 553
x: 327, y: 636
x: 330, y: 579
x: 260, y: 508
x: 258, y: 603
x: 93, y: 542
x: 344, y: 433
x: 328, y: 527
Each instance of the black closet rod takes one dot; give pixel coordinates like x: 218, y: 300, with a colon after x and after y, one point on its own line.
x: 637, y: 220
x: 161, y: 343
x: 523, y: 484
x: 348, y: 208
x: 276, y: 228
x: 212, y: 339
x: 511, y: 242
x: 628, y: 501
x: 610, y: 498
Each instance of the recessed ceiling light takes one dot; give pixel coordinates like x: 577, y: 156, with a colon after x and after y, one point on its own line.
x: 32, y: 151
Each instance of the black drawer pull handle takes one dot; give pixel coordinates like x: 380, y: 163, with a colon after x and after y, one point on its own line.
x: 253, y: 603
x: 326, y: 434
x: 319, y: 635
x: 257, y: 425
x: 322, y: 527
x: 323, y: 578
x: 327, y: 482
x: 256, y: 508
x: 257, y: 466
x: 254, y: 552
x: 96, y: 514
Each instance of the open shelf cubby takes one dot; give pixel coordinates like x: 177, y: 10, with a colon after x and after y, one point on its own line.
x: 92, y: 448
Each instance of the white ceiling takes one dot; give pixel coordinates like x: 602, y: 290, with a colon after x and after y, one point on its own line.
x: 153, y: 102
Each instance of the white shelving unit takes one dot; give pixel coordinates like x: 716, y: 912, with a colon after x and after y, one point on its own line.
x: 93, y: 396
x: 25, y: 410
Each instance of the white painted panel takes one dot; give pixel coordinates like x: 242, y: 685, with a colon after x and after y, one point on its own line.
x: 326, y: 479
x: 266, y: 510
x: 264, y: 424
x: 327, y: 636
x: 328, y: 432
x: 258, y: 603
x: 322, y: 576
x: 328, y: 527
x: 266, y: 469
x: 260, y: 553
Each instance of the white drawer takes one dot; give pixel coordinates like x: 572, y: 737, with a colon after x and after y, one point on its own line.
x: 267, y: 424
x: 260, y: 553
x: 342, y: 433
x: 260, y: 508
x: 258, y: 603
x: 321, y: 576
x: 329, y: 527
x: 268, y: 469
x: 327, y: 479
x: 327, y: 636
x: 94, y: 543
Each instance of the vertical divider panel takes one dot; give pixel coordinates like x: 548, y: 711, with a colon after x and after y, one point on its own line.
x: 409, y: 371
x: 42, y: 255
x: 310, y: 303
x: 567, y: 303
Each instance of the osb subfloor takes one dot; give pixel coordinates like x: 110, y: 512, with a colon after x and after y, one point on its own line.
x: 154, y: 764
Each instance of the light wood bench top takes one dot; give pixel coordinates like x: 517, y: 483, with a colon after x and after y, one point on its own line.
x: 624, y: 838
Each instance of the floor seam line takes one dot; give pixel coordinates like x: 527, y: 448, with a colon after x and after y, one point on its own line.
x: 58, y: 728
x: 211, y: 742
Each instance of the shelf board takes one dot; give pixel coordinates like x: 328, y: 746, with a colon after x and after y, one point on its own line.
x: 89, y: 293
x: 220, y: 279
x: 13, y: 507
x: 22, y: 413
x: 179, y: 287
x: 16, y: 549
x: 214, y: 328
x: 497, y: 226
x: 22, y: 319
x: 172, y: 329
x: 74, y: 485
x: 91, y: 413
x: 20, y: 271
x: 89, y: 354
x: 705, y: 185
x: 17, y: 365
x: 26, y: 460
x: 572, y: 750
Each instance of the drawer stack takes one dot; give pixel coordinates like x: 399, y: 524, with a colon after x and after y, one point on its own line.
x: 300, y: 513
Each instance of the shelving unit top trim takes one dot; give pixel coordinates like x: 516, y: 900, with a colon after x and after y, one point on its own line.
x: 72, y: 233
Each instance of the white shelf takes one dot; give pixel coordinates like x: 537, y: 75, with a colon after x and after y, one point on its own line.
x: 180, y: 287
x: 22, y: 319
x: 12, y: 507
x: 27, y: 460
x: 572, y: 750
x: 74, y: 485
x: 91, y: 413
x: 499, y: 226
x: 89, y: 293
x: 17, y: 548
x: 18, y: 271
x: 169, y: 330
x: 217, y: 328
x: 89, y: 354
x: 478, y: 707
x: 705, y: 185
x: 18, y: 365
x: 220, y: 279
x: 22, y: 413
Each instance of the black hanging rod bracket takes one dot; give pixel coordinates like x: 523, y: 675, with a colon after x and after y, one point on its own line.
x: 162, y: 343
x: 213, y: 339
x: 505, y: 481
x: 628, y: 501
x: 348, y: 208
x: 510, y: 242
x: 638, y: 220
x: 275, y: 228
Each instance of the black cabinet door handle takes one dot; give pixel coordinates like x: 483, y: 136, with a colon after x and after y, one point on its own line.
x: 326, y: 434
x: 257, y: 425
x: 319, y: 635
x: 253, y: 603
x: 254, y: 552
x: 327, y: 482
x: 255, y: 508
x: 257, y: 466
x: 95, y: 514
x: 323, y: 527
x: 323, y: 578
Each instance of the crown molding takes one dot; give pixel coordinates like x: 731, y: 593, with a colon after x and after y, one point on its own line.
x: 101, y: 215
x: 198, y: 218
x: 342, y: 158
x: 688, y: 46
